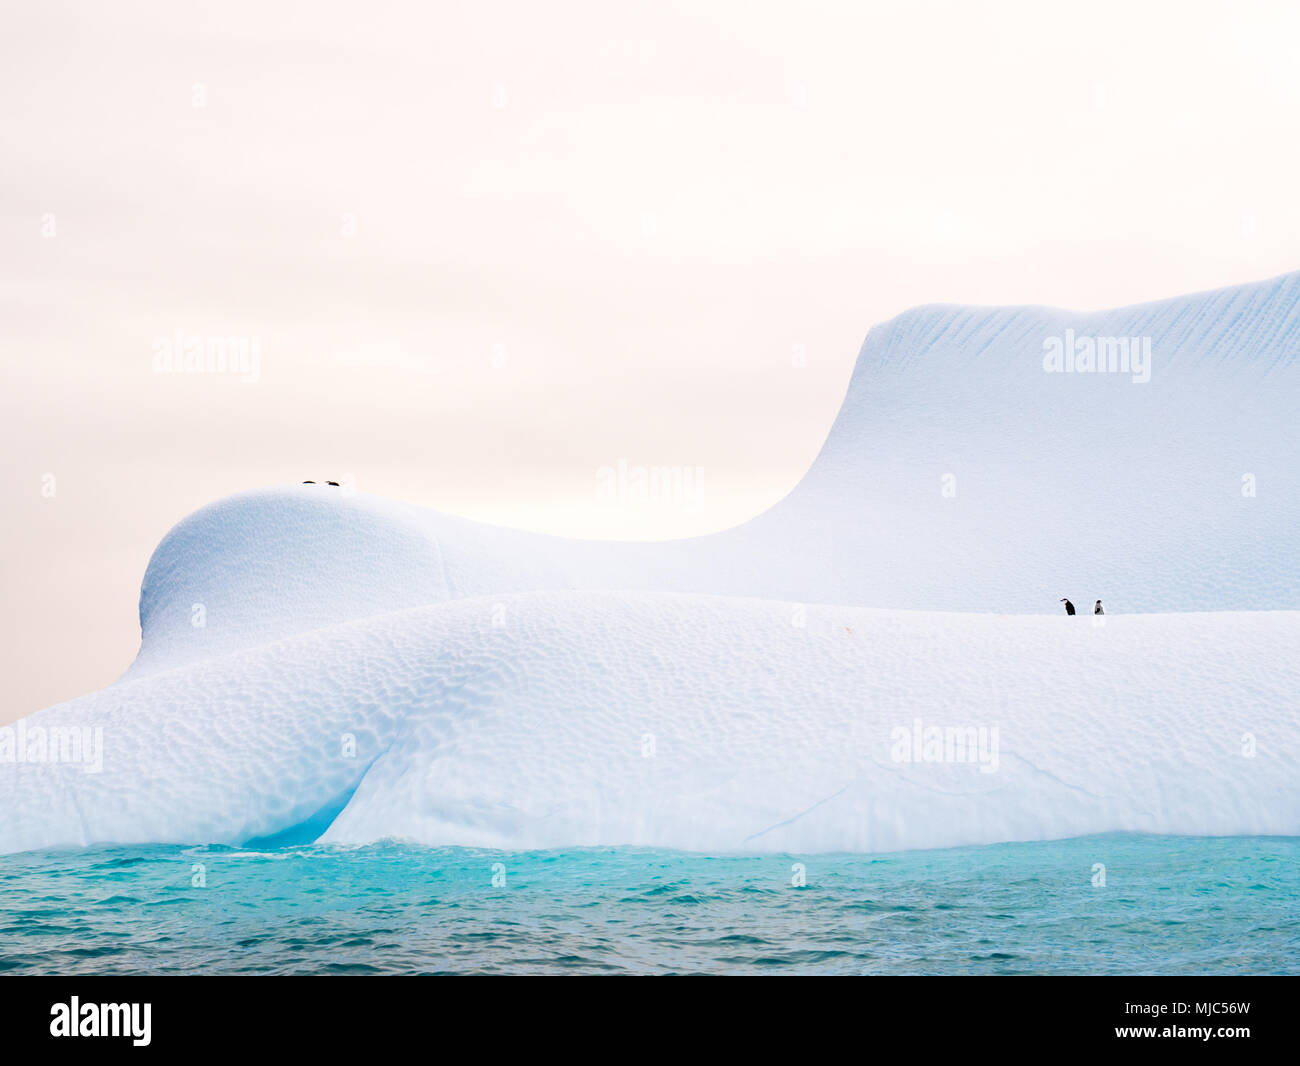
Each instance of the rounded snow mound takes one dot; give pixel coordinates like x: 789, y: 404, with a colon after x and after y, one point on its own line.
x: 263, y: 565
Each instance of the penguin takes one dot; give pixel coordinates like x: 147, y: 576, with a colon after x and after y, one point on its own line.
x: 1069, y: 607
x: 309, y: 482
x: 1097, y: 609
x: 334, y: 483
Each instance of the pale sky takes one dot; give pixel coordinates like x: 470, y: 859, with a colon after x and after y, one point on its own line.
x: 486, y: 249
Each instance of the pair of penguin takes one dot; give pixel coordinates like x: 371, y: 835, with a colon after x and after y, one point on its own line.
x: 1069, y: 607
x: 336, y: 485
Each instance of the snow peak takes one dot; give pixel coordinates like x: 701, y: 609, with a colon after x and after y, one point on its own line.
x: 102, y: 1019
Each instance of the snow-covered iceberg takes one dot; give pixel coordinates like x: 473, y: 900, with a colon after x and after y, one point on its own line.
x: 863, y: 667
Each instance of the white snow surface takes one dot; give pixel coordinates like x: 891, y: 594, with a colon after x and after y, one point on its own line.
x: 369, y: 669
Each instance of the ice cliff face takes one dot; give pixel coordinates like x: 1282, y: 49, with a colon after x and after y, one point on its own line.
x: 501, y: 688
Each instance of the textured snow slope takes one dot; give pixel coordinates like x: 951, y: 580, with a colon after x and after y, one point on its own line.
x: 489, y: 703
x: 563, y: 718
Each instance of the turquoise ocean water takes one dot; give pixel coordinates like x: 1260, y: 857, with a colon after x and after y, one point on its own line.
x: 1169, y: 905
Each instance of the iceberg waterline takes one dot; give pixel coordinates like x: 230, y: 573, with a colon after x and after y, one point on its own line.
x: 367, y: 669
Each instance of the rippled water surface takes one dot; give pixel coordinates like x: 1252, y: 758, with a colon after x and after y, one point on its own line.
x: 1168, y: 905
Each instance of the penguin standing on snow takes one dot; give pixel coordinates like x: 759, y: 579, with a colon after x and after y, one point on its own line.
x: 1069, y: 607
x: 1097, y: 609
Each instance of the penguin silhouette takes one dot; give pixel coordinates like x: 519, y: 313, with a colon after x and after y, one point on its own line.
x: 1069, y: 607
x: 1097, y: 609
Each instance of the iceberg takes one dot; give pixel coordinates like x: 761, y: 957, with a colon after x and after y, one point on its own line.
x: 875, y: 663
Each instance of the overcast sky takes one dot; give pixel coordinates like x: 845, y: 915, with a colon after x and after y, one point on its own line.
x: 486, y: 249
